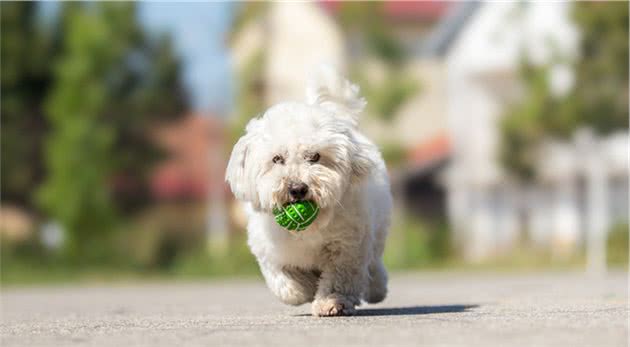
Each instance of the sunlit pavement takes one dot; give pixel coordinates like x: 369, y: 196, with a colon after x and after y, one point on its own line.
x: 534, y: 309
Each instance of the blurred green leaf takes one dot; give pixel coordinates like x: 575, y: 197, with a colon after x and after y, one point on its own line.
x: 598, y: 100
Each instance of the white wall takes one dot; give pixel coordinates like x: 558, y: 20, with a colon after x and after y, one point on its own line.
x: 302, y: 36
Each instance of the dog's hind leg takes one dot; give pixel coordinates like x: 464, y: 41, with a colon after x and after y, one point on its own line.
x: 377, y: 287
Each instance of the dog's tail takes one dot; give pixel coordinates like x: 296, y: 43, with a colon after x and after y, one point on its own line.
x: 328, y: 88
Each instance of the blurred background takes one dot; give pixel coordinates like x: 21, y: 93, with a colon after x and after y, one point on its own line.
x: 504, y: 127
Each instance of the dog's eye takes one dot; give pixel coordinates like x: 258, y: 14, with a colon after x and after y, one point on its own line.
x: 313, y: 158
x: 278, y: 159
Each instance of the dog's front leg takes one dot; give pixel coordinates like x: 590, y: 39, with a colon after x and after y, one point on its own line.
x: 344, y: 278
x: 291, y: 285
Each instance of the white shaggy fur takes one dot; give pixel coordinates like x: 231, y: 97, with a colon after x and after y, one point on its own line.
x: 337, y: 261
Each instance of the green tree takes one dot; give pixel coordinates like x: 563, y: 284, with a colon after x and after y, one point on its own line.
x: 599, y: 99
x: 80, y: 147
x: 112, y: 83
x: 143, y: 87
x: 602, y: 72
x: 26, y: 48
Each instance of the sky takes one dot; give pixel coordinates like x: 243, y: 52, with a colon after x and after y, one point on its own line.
x: 199, y: 33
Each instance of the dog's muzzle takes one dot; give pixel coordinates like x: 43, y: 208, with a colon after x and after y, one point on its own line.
x: 297, y: 191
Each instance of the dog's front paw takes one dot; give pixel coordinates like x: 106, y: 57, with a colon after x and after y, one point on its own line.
x: 333, y: 305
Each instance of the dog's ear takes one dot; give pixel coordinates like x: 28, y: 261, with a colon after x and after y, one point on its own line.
x: 238, y: 169
x: 329, y: 89
x: 363, y: 158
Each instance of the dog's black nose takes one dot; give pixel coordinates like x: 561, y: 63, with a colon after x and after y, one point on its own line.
x: 298, y: 191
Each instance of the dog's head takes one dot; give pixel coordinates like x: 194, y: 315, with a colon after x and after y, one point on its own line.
x: 303, y: 151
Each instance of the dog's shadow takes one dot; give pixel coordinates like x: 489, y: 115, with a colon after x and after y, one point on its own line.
x: 414, y: 310
x: 409, y: 310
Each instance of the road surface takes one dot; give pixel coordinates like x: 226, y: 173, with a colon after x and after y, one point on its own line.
x: 442, y: 309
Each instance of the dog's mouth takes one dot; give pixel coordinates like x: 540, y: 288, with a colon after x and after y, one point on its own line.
x: 288, y: 199
x: 292, y: 200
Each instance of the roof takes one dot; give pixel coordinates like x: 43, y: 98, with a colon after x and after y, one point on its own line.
x: 428, y: 152
x: 451, y: 18
x: 414, y: 10
x: 193, y: 147
x: 401, y: 10
x: 449, y: 27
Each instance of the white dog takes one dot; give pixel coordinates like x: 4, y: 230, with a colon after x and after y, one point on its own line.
x: 314, y: 151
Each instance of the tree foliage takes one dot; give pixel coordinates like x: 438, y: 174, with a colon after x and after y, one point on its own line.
x: 141, y: 86
x: 111, y: 84
x: 26, y: 48
x: 598, y: 100
x: 602, y: 72
x: 80, y: 148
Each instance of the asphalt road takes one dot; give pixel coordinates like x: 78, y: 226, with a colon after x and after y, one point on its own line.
x: 446, y: 309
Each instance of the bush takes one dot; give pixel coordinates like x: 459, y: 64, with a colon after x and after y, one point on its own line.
x: 236, y: 261
x: 617, y: 245
x: 413, y: 242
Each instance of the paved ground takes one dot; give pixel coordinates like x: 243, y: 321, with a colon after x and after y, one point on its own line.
x: 552, y: 309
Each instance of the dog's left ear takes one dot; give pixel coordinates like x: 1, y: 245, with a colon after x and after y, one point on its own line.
x: 329, y: 89
x: 363, y: 158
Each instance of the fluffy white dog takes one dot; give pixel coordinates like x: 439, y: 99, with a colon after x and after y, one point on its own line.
x: 314, y: 151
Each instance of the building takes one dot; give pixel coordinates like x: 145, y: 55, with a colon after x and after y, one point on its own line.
x: 193, y: 147
x: 490, y: 213
x: 188, y: 185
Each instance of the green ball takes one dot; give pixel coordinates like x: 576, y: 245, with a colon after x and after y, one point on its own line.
x: 296, y: 216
